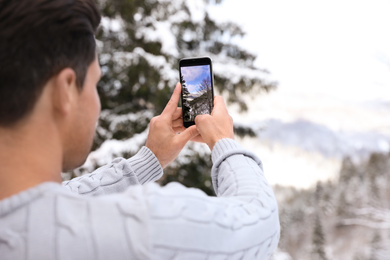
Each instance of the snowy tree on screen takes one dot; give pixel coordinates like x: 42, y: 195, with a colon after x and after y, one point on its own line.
x: 140, y: 43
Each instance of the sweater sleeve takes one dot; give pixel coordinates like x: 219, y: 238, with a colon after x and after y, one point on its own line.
x: 241, y: 223
x: 117, y: 176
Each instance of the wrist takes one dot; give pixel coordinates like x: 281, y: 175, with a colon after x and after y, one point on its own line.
x: 146, y: 165
x: 222, y: 146
x: 211, y: 143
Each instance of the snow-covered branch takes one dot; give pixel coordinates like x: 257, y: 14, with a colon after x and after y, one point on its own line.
x: 376, y: 218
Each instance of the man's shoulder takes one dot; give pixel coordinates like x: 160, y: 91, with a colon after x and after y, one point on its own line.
x: 49, y: 216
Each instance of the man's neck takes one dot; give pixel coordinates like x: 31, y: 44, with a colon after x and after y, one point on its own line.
x: 29, y: 155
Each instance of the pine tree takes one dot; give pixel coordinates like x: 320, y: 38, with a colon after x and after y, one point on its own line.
x: 373, y: 177
x: 318, y: 237
x: 140, y: 44
x: 347, y: 174
x: 375, y: 246
x: 376, y: 171
x: 318, y: 252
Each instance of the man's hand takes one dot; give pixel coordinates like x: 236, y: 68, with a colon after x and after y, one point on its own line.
x: 216, y: 126
x: 167, y: 135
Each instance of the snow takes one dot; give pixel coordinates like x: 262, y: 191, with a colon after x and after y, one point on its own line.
x: 115, y: 25
x: 160, y: 32
x: 163, y: 30
x: 188, y: 151
x: 110, y: 149
x: 375, y: 218
x: 280, y: 255
x: 197, y: 10
x: 127, y: 117
x: 236, y: 72
x: 125, y: 59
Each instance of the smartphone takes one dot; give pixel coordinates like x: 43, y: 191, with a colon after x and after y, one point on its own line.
x: 197, y: 88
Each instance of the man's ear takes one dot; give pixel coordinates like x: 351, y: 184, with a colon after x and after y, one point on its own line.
x: 64, y: 90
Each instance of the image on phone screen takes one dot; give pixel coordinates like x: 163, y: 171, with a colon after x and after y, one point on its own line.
x: 197, y: 91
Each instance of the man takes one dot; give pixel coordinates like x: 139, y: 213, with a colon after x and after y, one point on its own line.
x: 49, y: 107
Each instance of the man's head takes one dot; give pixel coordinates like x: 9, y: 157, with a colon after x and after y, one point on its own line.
x: 49, y: 72
x: 38, y: 39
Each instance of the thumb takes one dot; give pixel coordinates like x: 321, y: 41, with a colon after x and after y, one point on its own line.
x: 188, y: 134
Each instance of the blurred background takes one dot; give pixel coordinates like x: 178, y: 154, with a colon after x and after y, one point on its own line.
x: 307, y: 83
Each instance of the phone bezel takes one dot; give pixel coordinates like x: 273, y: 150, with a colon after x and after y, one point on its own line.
x: 190, y: 62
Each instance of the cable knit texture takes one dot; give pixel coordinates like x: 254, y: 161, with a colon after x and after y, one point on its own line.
x: 118, y: 212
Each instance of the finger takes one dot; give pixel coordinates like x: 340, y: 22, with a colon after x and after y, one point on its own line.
x: 177, y: 114
x: 170, y: 108
x: 218, y: 99
x: 179, y: 129
x: 198, y: 139
x: 203, y: 117
x: 219, y: 104
x: 188, y: 134
x: 177, y: 123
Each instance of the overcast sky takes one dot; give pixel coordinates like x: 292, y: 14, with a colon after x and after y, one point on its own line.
x: 332, y: 47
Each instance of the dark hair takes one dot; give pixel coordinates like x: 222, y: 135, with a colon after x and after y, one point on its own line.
x: 39, y: 38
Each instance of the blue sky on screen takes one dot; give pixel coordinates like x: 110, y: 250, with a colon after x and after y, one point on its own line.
x: 194, y: 76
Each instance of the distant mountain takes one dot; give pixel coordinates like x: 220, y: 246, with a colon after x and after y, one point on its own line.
x: 315, y: 137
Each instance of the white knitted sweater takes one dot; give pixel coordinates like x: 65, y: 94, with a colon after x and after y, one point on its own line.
x: 109, y: 215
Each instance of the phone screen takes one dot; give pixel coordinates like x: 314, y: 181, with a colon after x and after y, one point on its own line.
x: 197, y: 93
